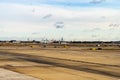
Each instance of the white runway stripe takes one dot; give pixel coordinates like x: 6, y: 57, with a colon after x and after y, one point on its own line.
x: 10, y: 75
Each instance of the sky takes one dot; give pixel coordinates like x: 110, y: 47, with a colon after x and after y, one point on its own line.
x: 78, y: 20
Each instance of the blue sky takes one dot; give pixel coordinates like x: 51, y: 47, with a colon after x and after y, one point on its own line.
x: 80, y: 19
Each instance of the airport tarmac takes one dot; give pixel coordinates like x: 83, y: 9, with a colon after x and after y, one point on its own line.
x: 10, y: 75
x: 62, y: 64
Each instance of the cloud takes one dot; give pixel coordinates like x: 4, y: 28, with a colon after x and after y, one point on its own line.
x: 97, y: 1
x: 19, y: 19
x: 66, y: 3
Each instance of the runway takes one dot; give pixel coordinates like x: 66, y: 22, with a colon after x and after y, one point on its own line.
x: 96, y: 68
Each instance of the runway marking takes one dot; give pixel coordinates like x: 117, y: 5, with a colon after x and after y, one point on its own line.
x: 10, y: 75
